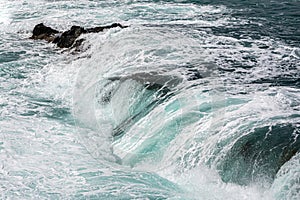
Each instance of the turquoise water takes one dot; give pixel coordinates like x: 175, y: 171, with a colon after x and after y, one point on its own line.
x: 194, y: 100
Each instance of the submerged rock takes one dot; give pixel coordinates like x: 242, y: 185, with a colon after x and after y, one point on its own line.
x: 68, y: 38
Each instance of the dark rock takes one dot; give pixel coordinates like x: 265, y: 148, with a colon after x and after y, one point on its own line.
x: 68, y: 38
x: 102, y: 28
x: 42, y: 32
x: 77, y: 45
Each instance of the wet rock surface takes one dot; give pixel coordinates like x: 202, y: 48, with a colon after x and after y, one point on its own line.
x: 42, y: 32
x: 67, y: 39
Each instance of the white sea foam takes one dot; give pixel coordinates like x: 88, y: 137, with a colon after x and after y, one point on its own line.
x: 44, y: 154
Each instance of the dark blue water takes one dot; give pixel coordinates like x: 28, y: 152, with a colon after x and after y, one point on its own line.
x: 276, y: 19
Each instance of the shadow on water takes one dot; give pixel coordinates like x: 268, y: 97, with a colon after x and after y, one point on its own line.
x: 149, y: 97
x: 10, y: 56
x: 51, y: 109
x: 259, y: 155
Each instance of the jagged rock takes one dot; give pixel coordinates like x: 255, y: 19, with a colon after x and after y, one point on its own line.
x: 43, y: 32
x: 77, y: 44
x: 68, y: 38
x: 102, y: 28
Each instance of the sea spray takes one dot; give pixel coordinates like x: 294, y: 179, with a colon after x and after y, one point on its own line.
x: 169, y: 108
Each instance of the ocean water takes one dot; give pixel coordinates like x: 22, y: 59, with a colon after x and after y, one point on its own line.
x: 194, y: 100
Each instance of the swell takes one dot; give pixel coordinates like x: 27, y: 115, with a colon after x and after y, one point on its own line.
x: 173, y: 94
x: 230, y: 120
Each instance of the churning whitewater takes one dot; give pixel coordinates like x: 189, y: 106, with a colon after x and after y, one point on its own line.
x: 189, y: 100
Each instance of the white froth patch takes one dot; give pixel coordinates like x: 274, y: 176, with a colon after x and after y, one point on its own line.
x: 205, y: 183
x: 4, y: 14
